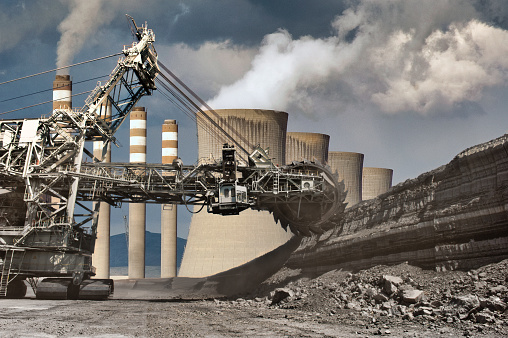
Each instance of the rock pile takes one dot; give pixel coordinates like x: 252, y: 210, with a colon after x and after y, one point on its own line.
x: 475, y: 300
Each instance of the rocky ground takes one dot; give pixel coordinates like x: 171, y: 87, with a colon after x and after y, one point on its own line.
x: 397, y: 301
x: 385, y: 298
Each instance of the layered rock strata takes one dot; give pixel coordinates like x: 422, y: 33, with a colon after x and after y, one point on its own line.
x: 454, y: 217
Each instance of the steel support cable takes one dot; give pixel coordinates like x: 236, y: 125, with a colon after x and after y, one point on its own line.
x: 41, y: 103
x: 210, y: 131
x: 190, y: 112
x: 214, y: 134
x: 180, y: 82
x: 50, y: 89
x: 203, y: 103
x: 184, y: 107
x: 59, y: 68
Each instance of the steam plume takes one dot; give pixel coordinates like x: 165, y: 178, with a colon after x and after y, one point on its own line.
x: 84, y: 19
x: 399, y: 55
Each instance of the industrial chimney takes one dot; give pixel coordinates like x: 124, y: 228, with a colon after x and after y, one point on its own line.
x: 100, y: 258
x: 137, y: 211
x: 169, y: 211
x: 62, y: 92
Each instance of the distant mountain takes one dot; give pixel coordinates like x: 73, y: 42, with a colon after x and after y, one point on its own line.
x: 120, y: 257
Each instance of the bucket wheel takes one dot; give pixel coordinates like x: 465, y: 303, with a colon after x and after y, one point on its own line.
x: 309, y: 211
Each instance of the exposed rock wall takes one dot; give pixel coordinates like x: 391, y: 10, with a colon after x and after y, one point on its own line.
x: 454, y: 217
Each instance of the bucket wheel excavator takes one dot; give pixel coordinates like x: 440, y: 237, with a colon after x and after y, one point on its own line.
x: 48, y: 178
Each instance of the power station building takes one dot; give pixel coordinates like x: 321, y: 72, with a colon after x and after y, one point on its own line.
x: 217, y: 243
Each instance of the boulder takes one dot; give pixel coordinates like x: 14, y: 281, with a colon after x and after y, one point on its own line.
x: 467, y: 301
x: 493, y: 303
x: 392, y: 279
x: 484, y: 317
x: 412, y: 296
x: 380, y: 298
x: 278, y: 295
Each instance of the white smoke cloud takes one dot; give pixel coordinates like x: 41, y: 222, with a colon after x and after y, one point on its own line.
x: 220, y: 62
x: 399, y: 55
x: 84, y: 19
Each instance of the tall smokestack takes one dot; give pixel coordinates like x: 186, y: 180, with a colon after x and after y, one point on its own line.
x: 62, y: 99
x: 62, y: 92
x: 137, y: 211
x: 100, y: 258
x: 169, y: 211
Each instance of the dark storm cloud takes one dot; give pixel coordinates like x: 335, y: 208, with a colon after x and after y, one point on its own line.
x: 246, y: 22
x: 401, y: 56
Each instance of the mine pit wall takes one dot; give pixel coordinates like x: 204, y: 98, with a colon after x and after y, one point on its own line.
x: 454, y: 217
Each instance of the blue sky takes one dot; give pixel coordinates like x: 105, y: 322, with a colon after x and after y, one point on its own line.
x: 407, y: 83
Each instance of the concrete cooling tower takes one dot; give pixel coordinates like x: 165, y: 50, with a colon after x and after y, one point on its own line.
x: 375, y: 181
x: 306, y: 146
x: 349, y: 167
x: 217, y: 243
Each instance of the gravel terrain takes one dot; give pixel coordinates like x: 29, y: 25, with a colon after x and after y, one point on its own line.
x: 397, y: 301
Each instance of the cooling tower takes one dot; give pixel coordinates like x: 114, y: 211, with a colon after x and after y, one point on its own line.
x: 375, y: 181
x: 100, y: 258
x: 306, y: 146
x: 169, y: 211
x: 137, y: 211
x: 349, y: 167
x: 62, y: 92
x: 217, y: 243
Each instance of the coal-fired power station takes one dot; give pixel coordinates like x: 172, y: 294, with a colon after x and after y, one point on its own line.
x: 217, y: 243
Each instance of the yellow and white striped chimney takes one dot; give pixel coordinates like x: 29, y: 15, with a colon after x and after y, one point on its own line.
x: 137, y: 211
x: 169, y: 211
